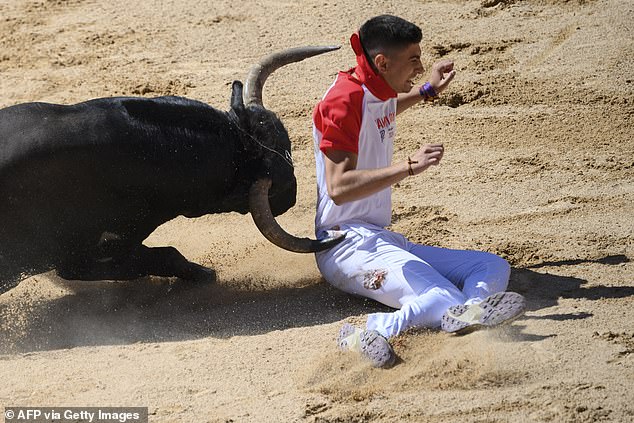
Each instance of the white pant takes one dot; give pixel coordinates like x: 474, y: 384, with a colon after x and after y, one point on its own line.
x: 420, y: 281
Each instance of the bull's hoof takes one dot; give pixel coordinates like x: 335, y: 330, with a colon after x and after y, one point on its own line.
x: 199, y: 274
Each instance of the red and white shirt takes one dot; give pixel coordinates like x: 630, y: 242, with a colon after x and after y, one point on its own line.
x: 357, y: 115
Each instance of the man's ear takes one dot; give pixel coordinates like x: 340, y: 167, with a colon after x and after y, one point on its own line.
x: 380, y: 62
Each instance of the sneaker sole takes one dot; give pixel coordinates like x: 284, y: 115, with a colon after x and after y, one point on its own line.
x: 497, y: 309
x: 371, y: 345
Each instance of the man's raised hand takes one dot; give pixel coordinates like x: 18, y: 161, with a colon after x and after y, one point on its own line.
x: 442, y: 72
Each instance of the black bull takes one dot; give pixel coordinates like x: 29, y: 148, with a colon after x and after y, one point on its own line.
x: 82, y: 186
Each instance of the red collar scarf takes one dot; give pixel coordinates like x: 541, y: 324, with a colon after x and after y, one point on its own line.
x: 375, y: 82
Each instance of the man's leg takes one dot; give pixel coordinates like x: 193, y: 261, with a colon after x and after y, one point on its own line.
x: 424, y: 311
x: 375, y: 264
x: 477, y: 274
x: 483, y: 278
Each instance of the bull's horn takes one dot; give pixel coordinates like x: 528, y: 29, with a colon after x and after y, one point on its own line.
x: 264, y: 220
x: 258, y: 73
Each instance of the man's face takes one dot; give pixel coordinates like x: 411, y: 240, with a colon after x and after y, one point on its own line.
x: 401, y: 67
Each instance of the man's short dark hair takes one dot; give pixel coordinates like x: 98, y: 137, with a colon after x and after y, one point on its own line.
x: 386, y: 33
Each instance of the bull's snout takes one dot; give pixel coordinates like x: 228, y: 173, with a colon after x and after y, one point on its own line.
x: 281, y: 200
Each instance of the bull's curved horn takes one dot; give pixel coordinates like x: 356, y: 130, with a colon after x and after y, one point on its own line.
x: 264, y: 220
x: 258, y: 73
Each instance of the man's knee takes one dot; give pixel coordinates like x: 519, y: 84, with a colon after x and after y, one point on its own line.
x: 500, y: 271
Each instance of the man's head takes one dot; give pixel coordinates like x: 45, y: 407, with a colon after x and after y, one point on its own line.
x: 392, y: 46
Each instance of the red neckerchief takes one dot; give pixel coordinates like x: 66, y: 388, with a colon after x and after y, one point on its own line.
x: 375, y: 82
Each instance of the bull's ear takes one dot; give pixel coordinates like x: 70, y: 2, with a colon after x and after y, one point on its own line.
x: 237, y: 104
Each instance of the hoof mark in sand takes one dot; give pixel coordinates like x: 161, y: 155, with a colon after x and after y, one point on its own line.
x: 623, y: 339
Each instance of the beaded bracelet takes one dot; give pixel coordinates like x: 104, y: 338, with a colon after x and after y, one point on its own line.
x: 427, y: 91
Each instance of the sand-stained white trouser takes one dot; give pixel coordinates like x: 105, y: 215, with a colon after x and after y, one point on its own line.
x: 422, y: 282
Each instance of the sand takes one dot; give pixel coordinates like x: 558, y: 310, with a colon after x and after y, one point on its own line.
x: 539, y: 168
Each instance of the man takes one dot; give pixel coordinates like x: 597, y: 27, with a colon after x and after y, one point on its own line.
x: 354, y: 127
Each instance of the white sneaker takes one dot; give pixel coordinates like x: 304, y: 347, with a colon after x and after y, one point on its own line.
x: 496, y: 309
x: 369, y: 343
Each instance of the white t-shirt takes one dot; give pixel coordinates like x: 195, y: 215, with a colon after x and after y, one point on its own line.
x: 358, y: 117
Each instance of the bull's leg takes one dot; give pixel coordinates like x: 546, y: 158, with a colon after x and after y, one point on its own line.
x: 87, y: 268
x: 135, y: 263
x: 168, y: 261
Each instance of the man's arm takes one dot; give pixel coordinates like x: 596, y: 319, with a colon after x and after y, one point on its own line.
x: 345, y: 183
x: 442, y: 73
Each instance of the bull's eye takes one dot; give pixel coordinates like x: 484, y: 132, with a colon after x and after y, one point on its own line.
x: 287, y: 154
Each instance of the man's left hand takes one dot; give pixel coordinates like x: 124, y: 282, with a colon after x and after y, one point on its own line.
x: 442, y: 72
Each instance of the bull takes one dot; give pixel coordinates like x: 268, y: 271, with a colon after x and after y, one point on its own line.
x: 81, y: 186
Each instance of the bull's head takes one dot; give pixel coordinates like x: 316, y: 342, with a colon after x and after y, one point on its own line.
x: 274, y: 187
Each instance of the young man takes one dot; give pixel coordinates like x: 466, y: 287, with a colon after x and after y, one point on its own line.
x: 354, y: 127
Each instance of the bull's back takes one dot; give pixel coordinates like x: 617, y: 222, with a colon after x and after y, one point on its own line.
x: 41, y: 129
x: 126, y: 124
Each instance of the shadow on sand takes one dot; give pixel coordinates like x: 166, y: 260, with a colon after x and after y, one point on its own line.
x: 544, y: 290
x: 158, y: 310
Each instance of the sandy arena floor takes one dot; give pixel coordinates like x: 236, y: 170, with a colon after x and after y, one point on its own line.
x: 539, y: 167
